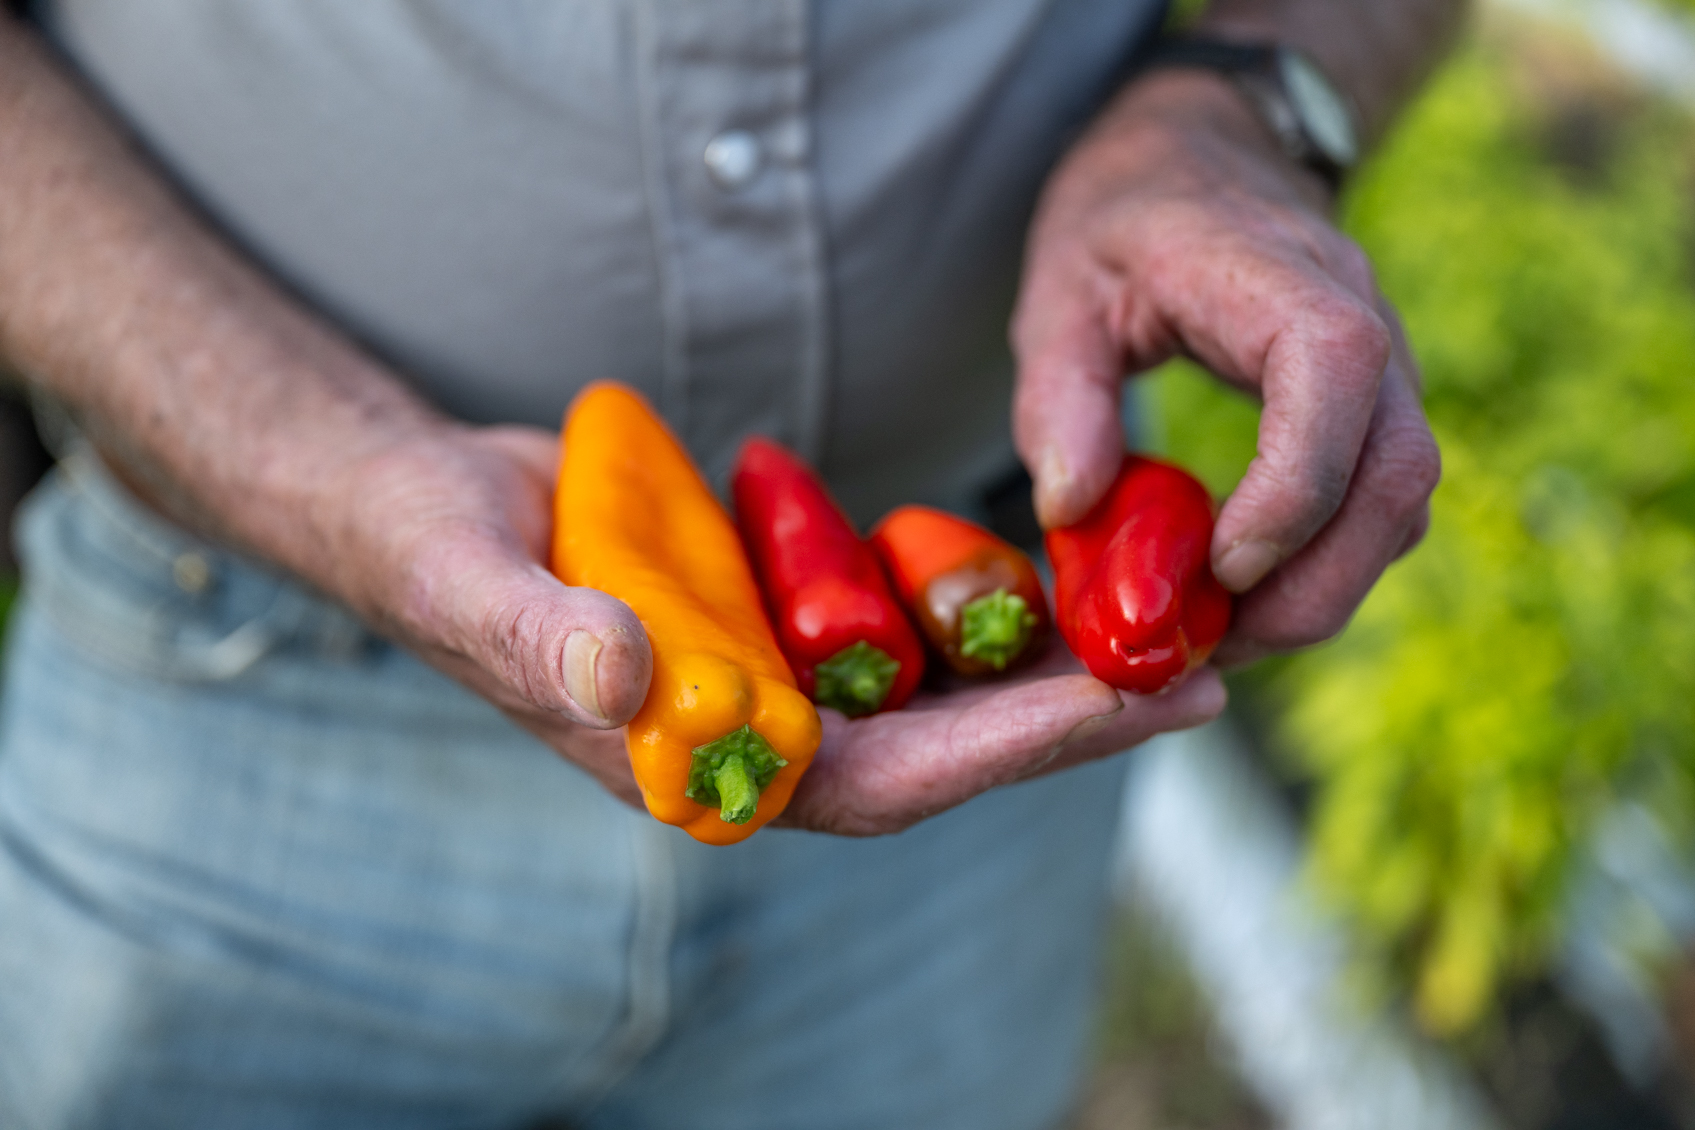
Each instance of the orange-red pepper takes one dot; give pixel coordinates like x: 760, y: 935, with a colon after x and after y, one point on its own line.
x: 723, y: 736
x: 976, y: 598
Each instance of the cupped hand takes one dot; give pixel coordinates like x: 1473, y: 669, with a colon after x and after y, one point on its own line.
x: 1178, y: 227
x: 445, y: 552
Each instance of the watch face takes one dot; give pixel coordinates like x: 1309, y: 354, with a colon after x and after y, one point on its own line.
x: 1323, y: 114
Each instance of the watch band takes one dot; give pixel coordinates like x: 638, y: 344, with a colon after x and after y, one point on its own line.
x: 1228, y: 56
x: 1262, y: 72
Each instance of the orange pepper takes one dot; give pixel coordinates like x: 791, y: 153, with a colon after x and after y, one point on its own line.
x: 724, y: 735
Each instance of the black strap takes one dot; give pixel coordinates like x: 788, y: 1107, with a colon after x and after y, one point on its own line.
x: 1211, y: 54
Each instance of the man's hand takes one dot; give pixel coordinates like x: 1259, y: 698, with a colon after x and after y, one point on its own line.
x: 465, y: 518
x: 442, y: 546
x: 1177, y: 226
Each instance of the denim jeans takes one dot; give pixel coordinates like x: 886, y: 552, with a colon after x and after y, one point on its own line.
x: 259, y: 868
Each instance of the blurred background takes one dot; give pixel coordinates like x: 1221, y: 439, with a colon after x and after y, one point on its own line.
x: 1441, y: 872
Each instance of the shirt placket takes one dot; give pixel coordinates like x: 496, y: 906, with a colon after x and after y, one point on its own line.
x: 725, y: 89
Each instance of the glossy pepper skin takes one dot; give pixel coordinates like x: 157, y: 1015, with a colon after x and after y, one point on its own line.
x: 976, y: 598
x: 842, y: 630
x: 1133, y: 580
x: 723, y: 736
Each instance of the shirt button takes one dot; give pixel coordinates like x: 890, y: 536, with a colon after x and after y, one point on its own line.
x: 732, y: 159
x: 192, y: 573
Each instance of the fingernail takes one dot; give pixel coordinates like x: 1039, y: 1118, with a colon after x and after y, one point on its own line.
x: 1089, y: 727
x: 582, y: 649
x: 1053, y: 483
x: 1245, y: 564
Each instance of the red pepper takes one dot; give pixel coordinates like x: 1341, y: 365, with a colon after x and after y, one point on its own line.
x: 841, y: 629
x: 1133, y: 582
x: 977, y: 599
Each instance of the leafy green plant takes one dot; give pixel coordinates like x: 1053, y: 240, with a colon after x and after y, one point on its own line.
x: 1536, y: 655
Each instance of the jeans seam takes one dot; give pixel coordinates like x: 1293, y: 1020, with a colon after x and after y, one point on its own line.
x: 648, y: 1010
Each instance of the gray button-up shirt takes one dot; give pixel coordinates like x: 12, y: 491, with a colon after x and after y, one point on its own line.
x: 801, y: 219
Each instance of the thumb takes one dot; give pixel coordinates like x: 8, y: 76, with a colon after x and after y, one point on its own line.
x: 1065, y: 410
x: 575, y: 651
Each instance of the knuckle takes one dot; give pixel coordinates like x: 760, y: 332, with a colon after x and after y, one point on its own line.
x: 520, y: 641
x: 1410, y: 472
x: 1334, y: 339
x: 1343, y: 335
x: 1358, y: 335
x: 511, y: 638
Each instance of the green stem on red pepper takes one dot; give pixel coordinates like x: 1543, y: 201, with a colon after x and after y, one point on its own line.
x: 995, y: 628
x: 976, y: 598
x: 844, y: 634
x: 855, y: 680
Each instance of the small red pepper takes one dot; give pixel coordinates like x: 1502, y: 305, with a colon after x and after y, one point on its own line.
x: 841, y: 629
x: 977, y: 599
x: 1133, y: 580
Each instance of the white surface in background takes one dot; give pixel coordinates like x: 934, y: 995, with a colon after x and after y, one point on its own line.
x: 1209, y: 849
x: 1655, y: 45
x: 1631, y: 914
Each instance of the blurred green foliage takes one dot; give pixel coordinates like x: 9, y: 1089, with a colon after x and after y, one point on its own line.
x: 1536, y: 656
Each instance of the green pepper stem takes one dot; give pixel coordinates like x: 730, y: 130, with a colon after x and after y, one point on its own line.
x: 995, y: 628
x: 856, y: 680
x: 738, y: 796
x: 731, y: 773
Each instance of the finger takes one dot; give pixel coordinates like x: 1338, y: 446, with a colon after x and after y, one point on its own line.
x: 884, y: 773
x: 1198, y: 699
x: 1065, y: 410
x: 1319, y: 380
x: 1386, y: 511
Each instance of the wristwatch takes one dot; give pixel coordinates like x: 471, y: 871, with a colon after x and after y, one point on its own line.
x: 1311, y: 119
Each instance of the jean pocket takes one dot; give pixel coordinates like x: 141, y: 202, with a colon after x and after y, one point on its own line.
x: 132, y: 590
